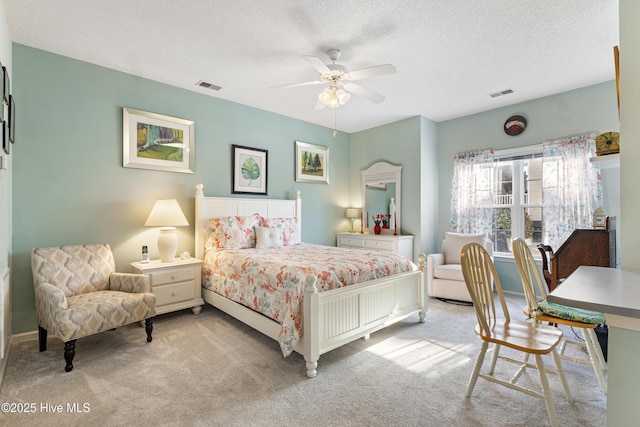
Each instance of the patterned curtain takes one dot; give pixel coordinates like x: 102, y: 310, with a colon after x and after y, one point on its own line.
x: 471, y: 192
x: 572, y: 187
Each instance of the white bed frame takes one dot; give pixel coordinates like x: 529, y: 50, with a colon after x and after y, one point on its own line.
x: 331, y: 318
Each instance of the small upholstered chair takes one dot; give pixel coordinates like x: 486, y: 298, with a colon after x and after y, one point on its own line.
x: 540, y: 310
x: 444, y: 272
x: 496, y: 327
x: 78, y: 293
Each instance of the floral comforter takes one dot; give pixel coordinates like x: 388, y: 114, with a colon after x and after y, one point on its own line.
x: 272, y: 281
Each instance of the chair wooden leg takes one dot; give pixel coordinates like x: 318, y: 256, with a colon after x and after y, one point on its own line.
x: 494, y: 358
x: 69, y: 354
x: 476, y: 368
x: 596, y: 357
x: 563, y: 377
x: 148, y: 327
x: 42, y: 338
x: 551, y: 410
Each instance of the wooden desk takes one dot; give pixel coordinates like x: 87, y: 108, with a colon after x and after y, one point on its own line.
x: 616, y: 293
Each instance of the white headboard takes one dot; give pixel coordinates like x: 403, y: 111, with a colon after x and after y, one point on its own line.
x: 210, y: 207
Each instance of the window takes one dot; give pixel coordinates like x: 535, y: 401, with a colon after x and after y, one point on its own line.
x: 539, y: 193
x: 516, y: 204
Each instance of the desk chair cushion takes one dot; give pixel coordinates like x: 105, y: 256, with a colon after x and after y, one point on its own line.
x: 571, y: 313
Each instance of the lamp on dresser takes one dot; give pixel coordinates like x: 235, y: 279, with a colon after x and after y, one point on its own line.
x: 167, y: 215
x: 352, y: 214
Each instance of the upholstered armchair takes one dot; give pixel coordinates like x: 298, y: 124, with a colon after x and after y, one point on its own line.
x: 78, y: 293
x: 444, y: 271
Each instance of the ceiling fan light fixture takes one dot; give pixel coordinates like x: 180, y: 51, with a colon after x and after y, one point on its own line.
x: 343, y: 96
x: 333, y: 97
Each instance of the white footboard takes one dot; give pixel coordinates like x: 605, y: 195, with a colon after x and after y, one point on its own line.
x: 334, y: 318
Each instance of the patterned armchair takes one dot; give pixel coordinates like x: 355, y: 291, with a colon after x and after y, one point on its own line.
x: 78, y: 293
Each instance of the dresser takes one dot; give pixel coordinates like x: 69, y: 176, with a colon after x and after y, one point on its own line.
x: 400, y: 245
x: 176, y: 284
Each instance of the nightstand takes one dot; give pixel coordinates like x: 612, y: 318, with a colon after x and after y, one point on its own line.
x: 176, y: 284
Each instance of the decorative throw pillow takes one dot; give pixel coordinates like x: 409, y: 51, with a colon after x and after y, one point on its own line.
x: 453, y: 243
x: 268, y: 238
x: 288, y: 227
x: 232, y: 232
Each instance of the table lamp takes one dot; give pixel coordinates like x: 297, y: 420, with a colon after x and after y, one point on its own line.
x: 167, y: 215
x: 352, y: 214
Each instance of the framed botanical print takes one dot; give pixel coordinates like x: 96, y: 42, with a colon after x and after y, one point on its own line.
x: 249, y: 169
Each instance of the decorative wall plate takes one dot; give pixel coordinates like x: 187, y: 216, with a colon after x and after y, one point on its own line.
x: 515, y: 125
x: 608, y: 143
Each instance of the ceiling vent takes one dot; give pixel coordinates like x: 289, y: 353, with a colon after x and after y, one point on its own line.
x: 208, y: 85
x: 504, y: 92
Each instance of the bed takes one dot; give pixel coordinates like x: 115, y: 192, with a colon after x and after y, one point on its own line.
x: 330, y: 317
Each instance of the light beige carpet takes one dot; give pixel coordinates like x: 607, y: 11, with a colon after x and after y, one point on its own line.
x: 211, y: 370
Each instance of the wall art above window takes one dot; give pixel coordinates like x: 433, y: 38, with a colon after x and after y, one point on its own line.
x: 157, y: 142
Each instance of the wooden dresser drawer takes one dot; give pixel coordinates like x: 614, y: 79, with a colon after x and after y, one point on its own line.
x: 169, y: 294
x: 380, y: 245
x: 173, y: 276
x: 351, y: 242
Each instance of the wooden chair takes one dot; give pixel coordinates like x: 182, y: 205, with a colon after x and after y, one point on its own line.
x: 546, y: 252
x: 542, y: 311
x: 530, y: 338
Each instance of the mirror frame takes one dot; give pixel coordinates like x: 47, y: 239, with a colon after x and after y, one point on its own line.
x: 377, y: 173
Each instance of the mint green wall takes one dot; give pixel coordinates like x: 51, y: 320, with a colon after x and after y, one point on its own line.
x: 590, y: 109
x: 69, y: 186
x: 411, y: 143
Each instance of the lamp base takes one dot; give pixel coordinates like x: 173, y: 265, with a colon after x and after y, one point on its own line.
x: 167, y: 244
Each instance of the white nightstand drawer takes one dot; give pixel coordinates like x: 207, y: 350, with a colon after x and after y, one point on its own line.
x: 169, y: 294
x: 173, y: 276
x: 352, y: 242
x: 380, y: 245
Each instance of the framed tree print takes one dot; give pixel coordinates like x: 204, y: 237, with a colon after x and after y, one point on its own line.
x: 312, y: 163
x: 249, y: 170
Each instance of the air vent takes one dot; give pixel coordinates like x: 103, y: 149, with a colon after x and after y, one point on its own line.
x: 504, y: 92
x: 208, y: 85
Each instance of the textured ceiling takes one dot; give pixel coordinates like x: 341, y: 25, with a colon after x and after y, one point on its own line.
x: 450, y: 54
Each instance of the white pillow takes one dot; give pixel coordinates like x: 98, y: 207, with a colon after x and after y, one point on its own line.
x: 268, y: 237
x: 453, y: 243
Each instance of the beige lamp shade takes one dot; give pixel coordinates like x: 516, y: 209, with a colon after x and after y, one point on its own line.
x: 352, y: 214
x: 167, y: 215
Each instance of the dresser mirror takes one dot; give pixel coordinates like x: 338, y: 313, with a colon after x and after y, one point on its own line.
x: 380, y: 185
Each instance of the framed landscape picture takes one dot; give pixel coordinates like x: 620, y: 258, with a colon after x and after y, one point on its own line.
x: 249, y: 170
x: 312, y: 163
x: 157, y: 142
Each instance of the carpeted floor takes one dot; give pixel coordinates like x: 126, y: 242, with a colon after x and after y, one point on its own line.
x: 211, y: 370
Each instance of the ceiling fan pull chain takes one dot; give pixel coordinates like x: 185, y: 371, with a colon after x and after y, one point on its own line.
x: 335, y: 132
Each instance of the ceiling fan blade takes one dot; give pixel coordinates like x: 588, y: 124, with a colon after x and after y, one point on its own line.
x: 378, y: 70
x: 317, y: 63
x: 311, y: 83
x: 364, y: 92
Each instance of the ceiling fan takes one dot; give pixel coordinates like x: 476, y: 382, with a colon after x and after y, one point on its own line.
x: 340, y: 81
